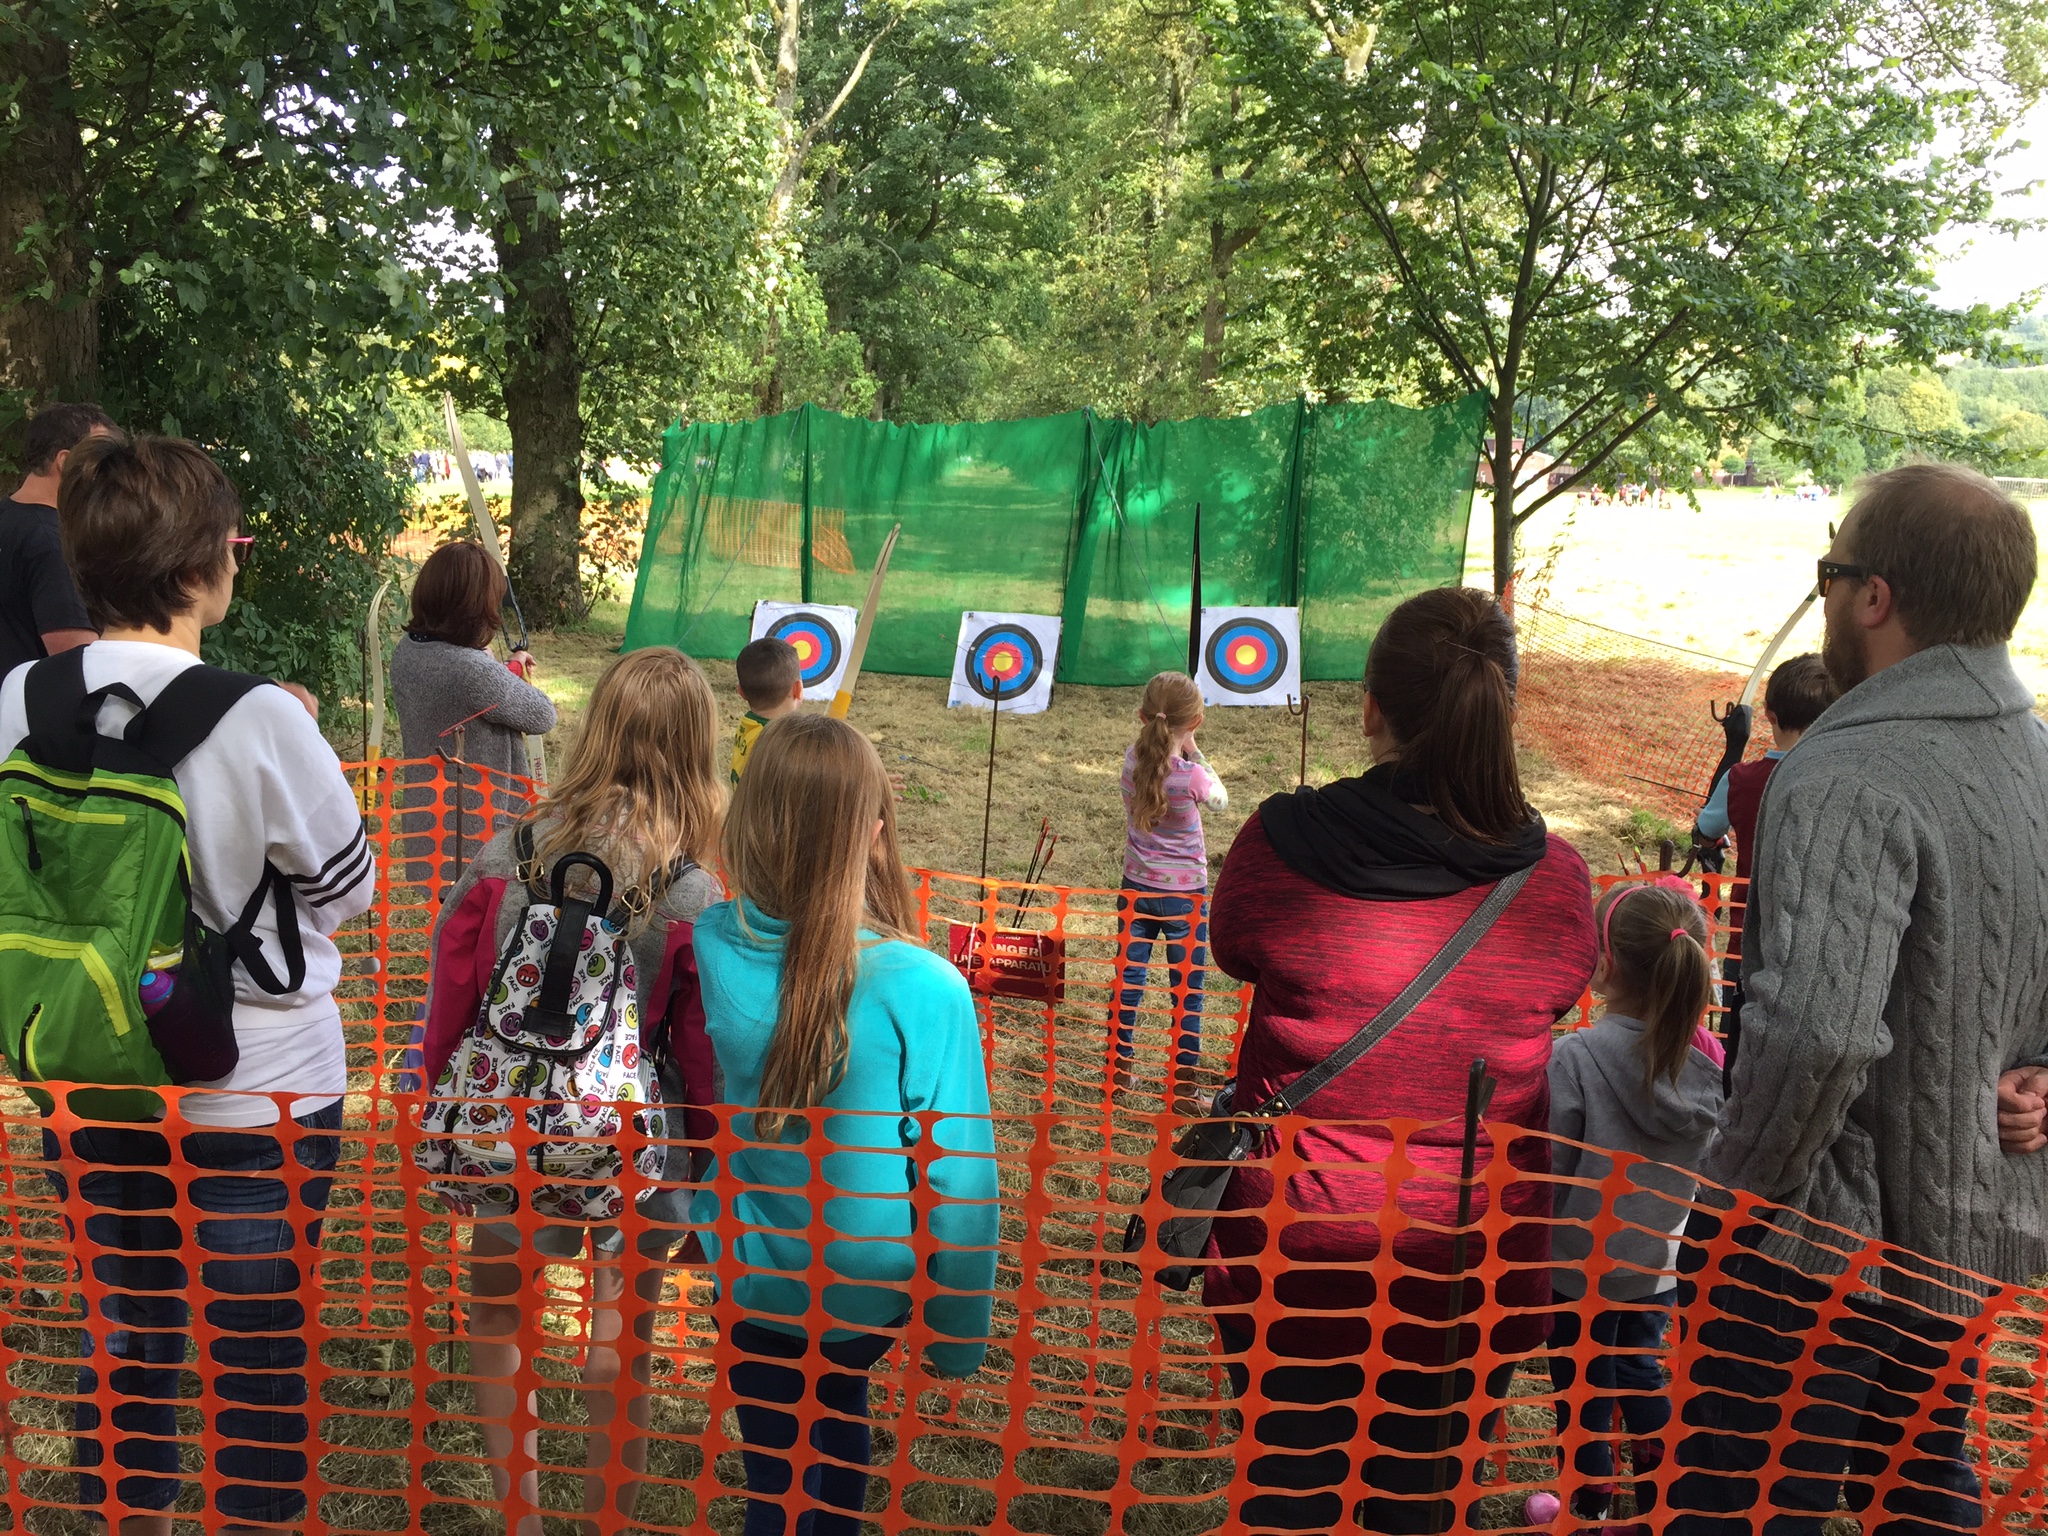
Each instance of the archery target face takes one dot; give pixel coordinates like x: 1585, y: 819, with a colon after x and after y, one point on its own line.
x: 1250, y: 655
x: 1010, y: 653
x: 821, y: 633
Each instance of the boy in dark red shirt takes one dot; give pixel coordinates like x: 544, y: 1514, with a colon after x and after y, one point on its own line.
x: 1793, y: 699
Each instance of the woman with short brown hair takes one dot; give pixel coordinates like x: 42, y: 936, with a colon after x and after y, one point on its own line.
x: 152, y: 531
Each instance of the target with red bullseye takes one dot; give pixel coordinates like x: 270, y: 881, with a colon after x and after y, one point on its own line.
x: 818, y: 632
x: 1006, y: 654
x: 815, y: 642
x: 1003, y: 661
x: 1250, y: 655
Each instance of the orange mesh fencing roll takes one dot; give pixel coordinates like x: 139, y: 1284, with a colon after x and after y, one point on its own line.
x: 438, y: 1393
x: 1629, y: 714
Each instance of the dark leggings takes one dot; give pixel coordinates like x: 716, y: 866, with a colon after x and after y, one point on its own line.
x: 257, y: 1235
x: 1318, y: 1437
x: 1626, y: 1369
x: 841, y: 1431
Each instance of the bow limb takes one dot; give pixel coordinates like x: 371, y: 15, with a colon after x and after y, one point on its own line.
x: 373, y: 640
x: 1763, y: 663
x: 494, y: 546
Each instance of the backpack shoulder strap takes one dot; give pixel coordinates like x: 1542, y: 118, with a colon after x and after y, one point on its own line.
x: 53, y: 699
x: 182, y: 716
x: 188, y: 709
x: 247, y: 948
x: 1290, y: 1099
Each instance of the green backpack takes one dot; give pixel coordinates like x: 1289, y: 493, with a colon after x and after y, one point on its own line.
x: 95, y: 890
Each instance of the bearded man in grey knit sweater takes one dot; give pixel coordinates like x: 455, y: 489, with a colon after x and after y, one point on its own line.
x: 1895, y: 956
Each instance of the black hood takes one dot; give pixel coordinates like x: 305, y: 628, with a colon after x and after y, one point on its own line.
x: 1362, y: 837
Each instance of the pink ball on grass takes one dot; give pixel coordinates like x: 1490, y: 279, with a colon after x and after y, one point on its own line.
x: 1540, y: 1509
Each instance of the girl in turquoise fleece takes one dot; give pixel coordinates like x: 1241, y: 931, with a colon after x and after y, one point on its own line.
x: 817, y: 993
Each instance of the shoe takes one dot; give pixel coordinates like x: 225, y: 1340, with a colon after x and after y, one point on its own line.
x: 1591, y: 1503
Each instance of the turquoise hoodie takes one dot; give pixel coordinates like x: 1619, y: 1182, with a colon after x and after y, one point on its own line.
x: 915, y: 1045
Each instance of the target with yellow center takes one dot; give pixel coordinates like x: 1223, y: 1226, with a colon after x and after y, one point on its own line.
x: 1250, y: 655
x: 815, y: 640
x: 1004, y: 660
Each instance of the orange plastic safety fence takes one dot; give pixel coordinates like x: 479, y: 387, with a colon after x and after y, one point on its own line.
x: 451, y: 1374
x: 1628, y: 714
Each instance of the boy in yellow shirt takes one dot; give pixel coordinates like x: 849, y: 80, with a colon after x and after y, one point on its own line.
x: 771, y: 681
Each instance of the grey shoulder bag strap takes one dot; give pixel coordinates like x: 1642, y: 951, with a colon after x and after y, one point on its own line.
x: 1208, y: 1148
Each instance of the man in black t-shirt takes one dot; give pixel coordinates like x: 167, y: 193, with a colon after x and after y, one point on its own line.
x: 40, y: 612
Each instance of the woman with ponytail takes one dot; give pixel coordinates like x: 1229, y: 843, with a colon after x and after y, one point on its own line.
x: 1166, y: 784
x: 818, y: 993
x: 1332, y: 901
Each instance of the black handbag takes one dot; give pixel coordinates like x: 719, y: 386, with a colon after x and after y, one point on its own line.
x: 1209, y: 1149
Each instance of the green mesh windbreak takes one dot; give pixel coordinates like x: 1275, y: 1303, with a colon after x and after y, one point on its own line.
x: 1341, y: 510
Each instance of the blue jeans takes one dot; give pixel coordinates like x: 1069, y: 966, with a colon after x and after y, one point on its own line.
x: 1880, y: 1365
x: 1164, y: 916
x: 251, y: 1294
x: 844, y: 1436
x: 1627, y: 1366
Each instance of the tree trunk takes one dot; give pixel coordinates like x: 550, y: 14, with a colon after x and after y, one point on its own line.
x: 49, y: 343
x: 543, y: 408
x: 1213, y: 307
x: 1502, y: 461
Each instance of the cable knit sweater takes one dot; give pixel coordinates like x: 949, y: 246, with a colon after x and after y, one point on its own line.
x: 1896, y: 962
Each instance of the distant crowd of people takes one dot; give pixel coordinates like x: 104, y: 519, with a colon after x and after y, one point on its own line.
x: 429, y: 465
x: 691, y: 920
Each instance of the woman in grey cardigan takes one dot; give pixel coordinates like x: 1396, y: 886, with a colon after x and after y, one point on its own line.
x: 443, y: 674
x: 454, y: 698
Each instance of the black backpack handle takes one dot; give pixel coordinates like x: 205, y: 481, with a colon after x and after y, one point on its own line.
x: 590, y: 861
x: 549, y: 1010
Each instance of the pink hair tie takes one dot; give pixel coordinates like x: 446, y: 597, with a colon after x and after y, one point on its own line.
x: 1680, y: 933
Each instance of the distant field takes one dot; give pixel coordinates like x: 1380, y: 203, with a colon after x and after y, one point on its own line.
x: 1720, y: 580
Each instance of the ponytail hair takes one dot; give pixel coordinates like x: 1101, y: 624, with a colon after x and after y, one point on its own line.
x: 1171, y: 704
x: 800, y: 844
x: 1655, y: 940
x: 1442, y: 670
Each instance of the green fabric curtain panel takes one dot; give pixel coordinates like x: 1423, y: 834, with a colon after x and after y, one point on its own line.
x: 1340, y: 510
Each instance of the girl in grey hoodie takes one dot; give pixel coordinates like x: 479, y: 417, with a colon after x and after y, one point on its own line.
x: 1645, y: 1079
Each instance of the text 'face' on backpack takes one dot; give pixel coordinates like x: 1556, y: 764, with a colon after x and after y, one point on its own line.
x: 559, y: 1025
x: 95, y: 890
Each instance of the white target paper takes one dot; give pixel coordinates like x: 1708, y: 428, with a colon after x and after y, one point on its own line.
x: 1013, y: 653
x: 822, y: 634
x: 1250, y: 655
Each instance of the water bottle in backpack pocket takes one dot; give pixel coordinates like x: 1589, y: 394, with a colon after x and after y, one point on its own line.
x: 559, y: 1025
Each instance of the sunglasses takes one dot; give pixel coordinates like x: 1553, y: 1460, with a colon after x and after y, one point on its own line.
x: 239, y: 546
x: 1831, y: 571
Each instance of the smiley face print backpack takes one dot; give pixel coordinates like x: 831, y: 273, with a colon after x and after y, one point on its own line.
x: 560, y: 1027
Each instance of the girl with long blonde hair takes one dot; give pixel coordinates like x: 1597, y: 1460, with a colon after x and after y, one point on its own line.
x: 819, y: 994
x: 1166, y: 783
x: 642, y: 792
